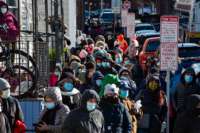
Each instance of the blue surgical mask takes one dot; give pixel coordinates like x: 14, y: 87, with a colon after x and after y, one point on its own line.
x: 99, y: 64
x: 105, y: 64
x: 68, y: 86
x: 91, y: 106
x: 124, y: 93
x: 188, y: 78
x: 118, y: 60
x: 127, y: 62
x: 98, y: 82
x: 50, y: 105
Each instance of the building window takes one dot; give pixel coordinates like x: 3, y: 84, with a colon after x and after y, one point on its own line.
x: 11, y: 2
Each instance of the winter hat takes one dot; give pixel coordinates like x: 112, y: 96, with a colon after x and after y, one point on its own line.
x: 67, y: 73
x: 109, y: 79
x: 74, y: 58
x: 90, y: 41
x: 123, y: 69
x: 97, y: 75
x: 4, y: 84
x: 53, y: 93
x: 90, y: 65
x: 124, y: 84
x: 89, y: 94
x: 101, y: 44
x: 100, y: 38
x: 111, y: 89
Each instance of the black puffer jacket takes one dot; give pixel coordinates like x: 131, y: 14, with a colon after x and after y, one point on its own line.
x: 189, y: 120
x: 183, y: 90
x: 117, y: 117
x: 83, y: 121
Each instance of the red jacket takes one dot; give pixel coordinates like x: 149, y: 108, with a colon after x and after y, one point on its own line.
x: 8, y: 20
x: 20, y: 127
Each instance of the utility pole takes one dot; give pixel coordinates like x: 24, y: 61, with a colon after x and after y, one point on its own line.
x: 58, y: 33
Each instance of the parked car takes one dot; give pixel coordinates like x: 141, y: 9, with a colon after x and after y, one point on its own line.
x: 144, y: 26
x: 142, y: 38
x: 189, y: 53
x: 106, y: 18
x: 149, y: 49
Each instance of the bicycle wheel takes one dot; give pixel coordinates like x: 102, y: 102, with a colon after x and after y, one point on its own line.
x: 21, y: 58
x: 21, y: 80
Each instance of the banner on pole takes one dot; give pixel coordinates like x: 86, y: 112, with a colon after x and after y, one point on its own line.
x: 130, y: 25
x: 169, y: 41
x: 124, y: 14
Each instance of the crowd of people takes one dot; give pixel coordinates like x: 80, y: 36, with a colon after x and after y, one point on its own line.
x: 102, y: 89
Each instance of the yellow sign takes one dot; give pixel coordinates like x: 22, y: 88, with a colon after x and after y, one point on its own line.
x: 194, y: 34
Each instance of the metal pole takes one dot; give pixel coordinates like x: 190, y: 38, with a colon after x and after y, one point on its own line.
x: 168, y: 101
x: 101, y: 4
x: 57, y: 32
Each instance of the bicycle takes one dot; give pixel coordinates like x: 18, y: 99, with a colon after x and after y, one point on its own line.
x: 16, y: 73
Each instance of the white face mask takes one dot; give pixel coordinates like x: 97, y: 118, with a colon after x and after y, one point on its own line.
x: 6, y: 94
x: 3, y: 10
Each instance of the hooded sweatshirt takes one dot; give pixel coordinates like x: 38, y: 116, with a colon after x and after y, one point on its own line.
x: 83, y: 121
x: 54, y: 118
x: 189, y: 120
x: 10, y: 21
x: 183, y: 90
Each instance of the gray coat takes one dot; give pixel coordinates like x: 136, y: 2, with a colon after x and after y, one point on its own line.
x: 61, y: 114
x: 83, y: 121
x: 5, y: 126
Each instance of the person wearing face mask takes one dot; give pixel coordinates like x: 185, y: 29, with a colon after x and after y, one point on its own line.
x: 116, y: 116
x: 8, y: 22
x: 97, y: 80
x: 54, y: 112
x: 189, y: 120
x: 104, y: 63
x: 136, y: 71
x: 108, y: 79
x: 70, y: 94
x: 11, y: 106
x: 133, y: 107
x: 90, y: 70
x: 125, y: 74
x: 154, y: 106
x: 5, y: 126
x: 87, y: 118
x: 185, y: 88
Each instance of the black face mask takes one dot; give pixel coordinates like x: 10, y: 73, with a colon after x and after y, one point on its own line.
x: 112, y: 100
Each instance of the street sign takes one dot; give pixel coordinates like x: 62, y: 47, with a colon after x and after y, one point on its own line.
x: 184, y: 5
x: 124, y: 14
x: 116, y: 6
x: 130, y: 25
x: 169, y: 40
x: 169, y: 51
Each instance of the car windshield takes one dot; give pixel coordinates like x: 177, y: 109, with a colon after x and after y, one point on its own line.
x: 189, y: 52
x: 153, y: 45
x: 144, y: 28
x: 142, y: 39
x: 107, y: 16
